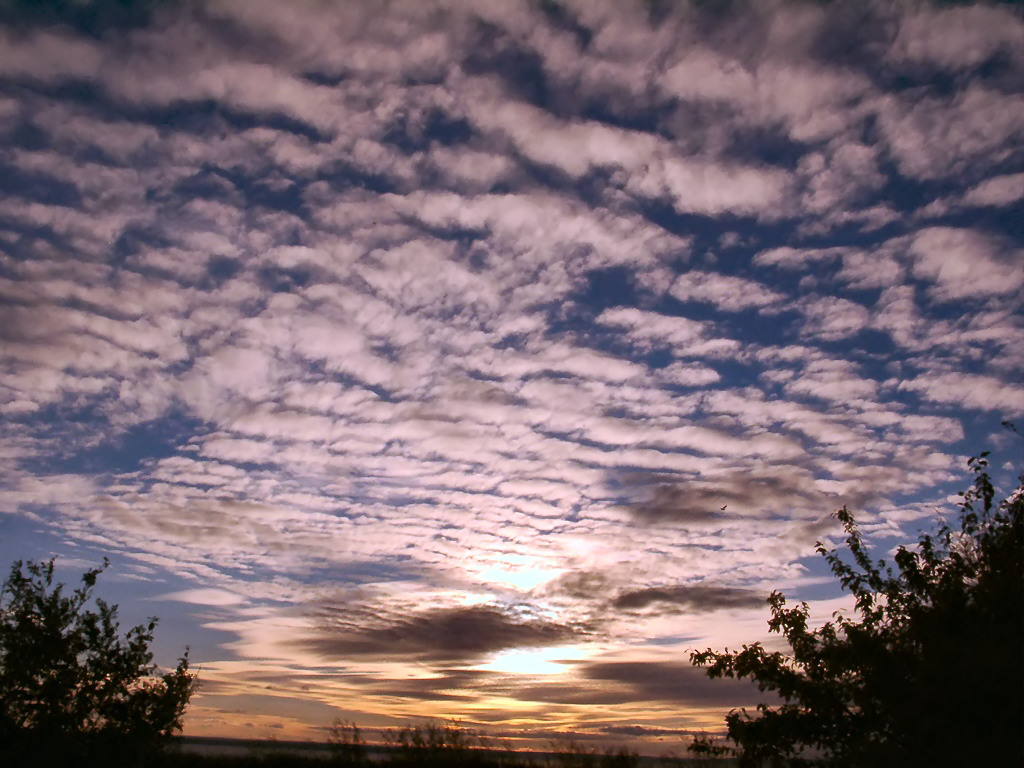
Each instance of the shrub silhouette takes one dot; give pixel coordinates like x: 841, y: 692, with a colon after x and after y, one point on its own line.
x: 72, y: 690
x: 930, y: 671
x: 440, y: 744
x: 346, y: 743
x: 572, y: 754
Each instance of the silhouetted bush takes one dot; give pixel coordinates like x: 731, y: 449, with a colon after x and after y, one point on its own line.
x: 930, y: 671
x: 72, y: 690
x: 572, y: 754
x: 439, y: 744
x: 346, y: 743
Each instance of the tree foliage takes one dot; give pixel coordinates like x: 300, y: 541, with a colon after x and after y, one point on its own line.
x: 72, y: 689
x: 928, y: 671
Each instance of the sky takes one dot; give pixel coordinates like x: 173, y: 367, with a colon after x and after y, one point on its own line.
x: 479, y: 360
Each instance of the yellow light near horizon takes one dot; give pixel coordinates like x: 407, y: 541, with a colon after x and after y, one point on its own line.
x: 532, y: 661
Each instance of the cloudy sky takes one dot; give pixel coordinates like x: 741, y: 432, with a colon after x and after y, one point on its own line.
x: 478, y: 359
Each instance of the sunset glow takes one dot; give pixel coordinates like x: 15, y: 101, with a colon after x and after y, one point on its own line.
x: 545, y: 661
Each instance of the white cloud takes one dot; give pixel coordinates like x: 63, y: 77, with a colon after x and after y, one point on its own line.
x: 689, y: 375
x: 875, y: 268
x: 998, y: 191
x: 963, y: 263
x: 696, y: 186
x: 957, y: 39
x: 648, y: 330
x: 831, y: 318
x: 847, y: 174
x: 732, y: 294
x: 939, y: 137
x: 833, y: 380
x: 648, y: 166
x: 812, y: 103
x: 213, y: 597
x: 897, y: 313
x: 572, y: 147
x: 971, y: 390
x: 787, y: 257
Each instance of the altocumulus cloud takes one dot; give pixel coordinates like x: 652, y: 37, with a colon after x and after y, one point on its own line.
x: 393, y: 346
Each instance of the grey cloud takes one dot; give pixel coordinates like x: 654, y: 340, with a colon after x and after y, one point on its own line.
x: 581, y: 585
x: 575, y: 694
x: 442, y: 634
x: 448, y: 685
x: 720, y: 499
x: 645, y: 730
x: 680, y: 504
x: 674, y: 681
x: 690, y: 598
x: 611, y: 683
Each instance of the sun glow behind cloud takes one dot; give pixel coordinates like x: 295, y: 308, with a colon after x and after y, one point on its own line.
x: 541, y: 661
x: 523, y: 573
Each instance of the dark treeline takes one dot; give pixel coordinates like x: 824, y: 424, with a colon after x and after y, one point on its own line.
x: 430, y: 744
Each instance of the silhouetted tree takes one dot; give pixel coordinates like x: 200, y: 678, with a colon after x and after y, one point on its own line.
x: 72, y: 690
x: 929, y: 671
